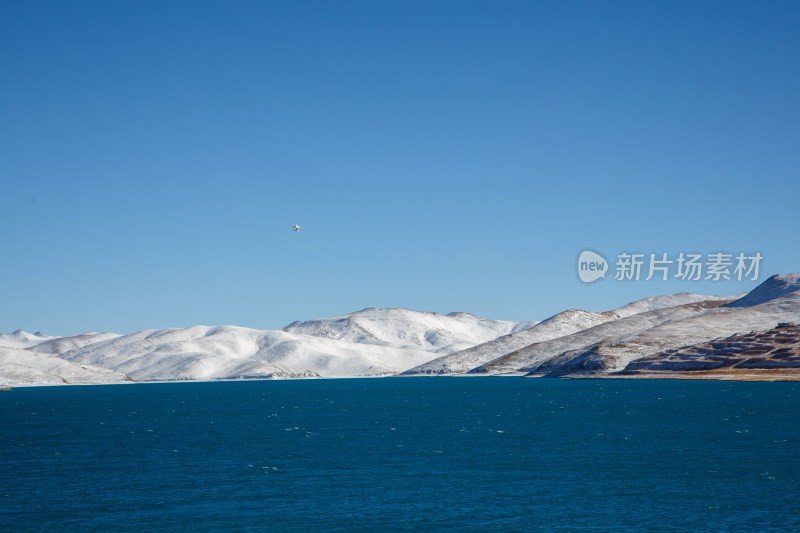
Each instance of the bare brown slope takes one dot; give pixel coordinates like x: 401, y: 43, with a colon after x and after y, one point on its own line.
x: 772, y: 352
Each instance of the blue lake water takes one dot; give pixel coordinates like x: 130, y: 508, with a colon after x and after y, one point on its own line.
x: 395, y: 454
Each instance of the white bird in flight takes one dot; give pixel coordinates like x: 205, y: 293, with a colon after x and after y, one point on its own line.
x: 295, y: 227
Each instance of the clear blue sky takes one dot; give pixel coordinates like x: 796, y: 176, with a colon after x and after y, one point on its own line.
x: 443, y: 156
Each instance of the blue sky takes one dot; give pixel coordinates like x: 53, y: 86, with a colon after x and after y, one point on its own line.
x: 443, y: 156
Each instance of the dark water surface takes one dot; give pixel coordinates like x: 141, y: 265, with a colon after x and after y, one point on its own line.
x: 499, y: 454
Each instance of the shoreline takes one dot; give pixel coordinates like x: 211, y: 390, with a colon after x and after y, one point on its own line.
x: 700, y: 375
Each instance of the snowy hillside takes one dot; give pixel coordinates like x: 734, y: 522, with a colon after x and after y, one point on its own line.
x: 530, y: 357
x: 668, y: 300
x: 371, y: 342
x: 403, y: 328
x: 58, y: 345
x: 557, y: 326
x: 23, y: 339
x: 775, y: 301
x: 771, y: 289
x: 203, y: 352
x: 19, y: 367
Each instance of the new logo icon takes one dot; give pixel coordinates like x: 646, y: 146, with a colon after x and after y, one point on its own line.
x: 591, y: 266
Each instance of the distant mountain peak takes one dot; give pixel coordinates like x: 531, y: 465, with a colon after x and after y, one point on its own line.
x: 772, y: 288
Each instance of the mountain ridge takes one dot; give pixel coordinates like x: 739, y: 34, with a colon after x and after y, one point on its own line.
x: 397, y: 341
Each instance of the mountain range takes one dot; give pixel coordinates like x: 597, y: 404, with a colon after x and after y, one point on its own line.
x: 635, y: 340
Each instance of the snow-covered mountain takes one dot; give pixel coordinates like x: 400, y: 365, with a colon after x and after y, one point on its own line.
x: 775, y: 301
x: 59, y: 345
x: 555, y: 327
x: 772, y: 289
x: 404, y: 328
x: 20, y: 367
x: 376, y: 342
x: 371, y: 342
x: 195, y: 353
x: 23, y: 339
x: 203, y: 352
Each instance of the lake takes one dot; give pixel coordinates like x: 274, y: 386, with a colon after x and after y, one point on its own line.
x: 402, y: 454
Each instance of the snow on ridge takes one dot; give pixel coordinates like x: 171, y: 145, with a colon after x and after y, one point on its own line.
x: 774, y: 301
x: 772, y: 288
x: 365, y: 343
x: 406, y: 328
x: 59, y: 345
x: 571, y: 321
x: 666, y: 300
x: 21, y: 367
x: 527, y: 324
x: 213, y: 352
x: 22, y: 339
x: 614, y: 355
x: 556, y: 326
x: 551, y: 352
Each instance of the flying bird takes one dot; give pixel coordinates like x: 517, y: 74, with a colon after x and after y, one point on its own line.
x: 295, y: 227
